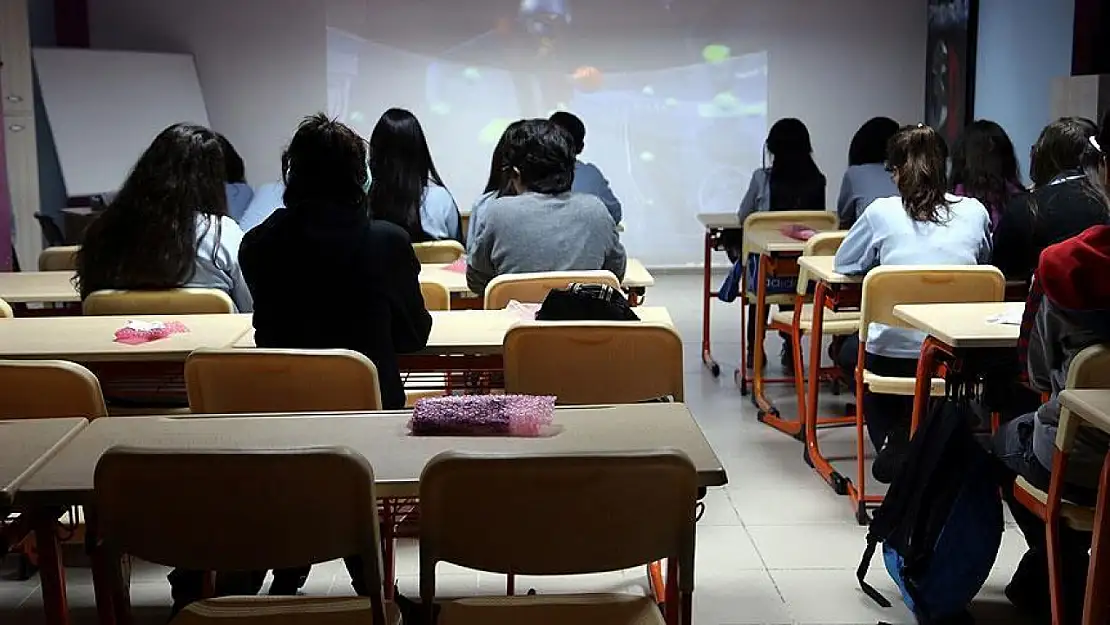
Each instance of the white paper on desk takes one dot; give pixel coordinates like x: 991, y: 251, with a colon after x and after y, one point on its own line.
x: 144, y: 326
x: 1012, y: 317
x: 526, y: 311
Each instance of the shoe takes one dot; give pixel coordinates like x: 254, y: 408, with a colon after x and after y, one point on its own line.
x: 786, y: 356
x: 749, y: 361
x: 888, y: 462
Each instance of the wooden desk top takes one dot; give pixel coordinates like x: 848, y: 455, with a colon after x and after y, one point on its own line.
x: 92, y: 339
x: 1090, y: 405
x: 772, y: 242
x: 397, y: 457
x: 25, y: 287
x: 963, y: 326
x: 720, y: 221
x: 26, y: 445
x: 481, y: 332
x: 636, y: 276
x: 821, y: 268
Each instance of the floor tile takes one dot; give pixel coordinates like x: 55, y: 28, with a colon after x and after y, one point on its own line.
x: 827, y: 546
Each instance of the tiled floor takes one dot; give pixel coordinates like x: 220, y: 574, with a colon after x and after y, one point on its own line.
x: 774, y: 546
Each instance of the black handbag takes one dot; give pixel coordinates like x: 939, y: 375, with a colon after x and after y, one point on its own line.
x: 586, y: 302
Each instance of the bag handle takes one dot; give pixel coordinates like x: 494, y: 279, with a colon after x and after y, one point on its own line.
x: 861, y: 573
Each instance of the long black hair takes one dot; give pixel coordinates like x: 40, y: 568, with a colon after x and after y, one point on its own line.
x: 235, y: 171
x: 984, y: 164
x: 499, y: 179
x: 147, y: 237
x: 540, y: 155
x: 325, y: 166
x: 918, y: 157
x: 401, y: 168
x: 868, y: 145
x: 1064, y: 148
x: 796, y: 181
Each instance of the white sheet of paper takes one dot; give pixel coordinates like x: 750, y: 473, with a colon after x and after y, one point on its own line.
x: 1011, y: 317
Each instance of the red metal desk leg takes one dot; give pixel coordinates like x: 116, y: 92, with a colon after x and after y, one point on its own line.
x: 758, y: 356
x: 812, y: 454
x: 1096, y: 608
x: 706, y: 302
x: 927, y: 366
x: 51, y: 571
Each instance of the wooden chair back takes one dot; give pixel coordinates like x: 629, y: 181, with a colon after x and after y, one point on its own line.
x: 41, y: 389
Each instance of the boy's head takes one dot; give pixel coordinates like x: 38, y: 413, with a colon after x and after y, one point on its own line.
x: 572, y: 124
x: 539, y: 157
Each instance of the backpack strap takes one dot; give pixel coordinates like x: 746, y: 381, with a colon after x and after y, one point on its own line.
x: 861, y: 573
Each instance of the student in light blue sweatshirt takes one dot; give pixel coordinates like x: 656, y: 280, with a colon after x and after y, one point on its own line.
x: 588, y: 178
x: 925, y: 226
x: 405, y: 187
x: 866, y: 179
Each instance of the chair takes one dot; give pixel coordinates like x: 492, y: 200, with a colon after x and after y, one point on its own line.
x: 190, y: 509
x: 763, y: 221
x: 800, y: 321
x: 559, y: 515
x: 51, y: 233
x: 1090, y: 369
x: 438, y: 252
x: 588, y: 362
x: 890, y: 286
x: 436, y: 296
x: 39, y: 389
x: 59, y: 258
x: 6, y: 311
x: 234, y: 381
x: 185, y: 301
x: 532, y: 288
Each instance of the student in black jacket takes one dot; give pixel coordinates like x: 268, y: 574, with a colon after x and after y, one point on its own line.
x: 1066, y: 200
x: 323, y: 274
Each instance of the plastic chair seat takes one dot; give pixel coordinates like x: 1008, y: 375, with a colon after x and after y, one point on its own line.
x: 885, y: 385
x: 834, y: 323
x: 284, y: 611
x: 1077, y: 517
x: 595, y: 609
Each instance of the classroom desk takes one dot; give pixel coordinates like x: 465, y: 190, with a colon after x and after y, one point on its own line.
x: 636, y: 278
x: 839, y: 293
x: 397, y: 457
x: 92, y: 339
x: 35, y: 287
x: 954, y: 330
x: 715, y: 224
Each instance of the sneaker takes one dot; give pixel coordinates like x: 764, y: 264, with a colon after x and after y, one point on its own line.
x: 786, y: 356
x: 889, y: 460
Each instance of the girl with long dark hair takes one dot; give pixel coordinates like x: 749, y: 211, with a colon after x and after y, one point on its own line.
x: 985, y: 167
x: 168, y: 225
x: 866, y: 178
x: 497, y: 184
x: 1068, y: 197
x: 925, y: 226
x: 239, y: 193
x: 406, y: 188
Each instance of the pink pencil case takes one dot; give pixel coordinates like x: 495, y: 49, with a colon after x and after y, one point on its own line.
x: 139, y: 332
x: 798, y: 232
x: 482, y: 415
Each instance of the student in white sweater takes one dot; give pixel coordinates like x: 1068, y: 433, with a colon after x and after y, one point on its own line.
x: 168, y: 231
x: 925, y: 226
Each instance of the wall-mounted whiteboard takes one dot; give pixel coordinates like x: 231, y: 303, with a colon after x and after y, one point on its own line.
x: 105, y: 107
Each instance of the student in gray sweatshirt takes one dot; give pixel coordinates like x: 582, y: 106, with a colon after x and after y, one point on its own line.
x: 542, y: 226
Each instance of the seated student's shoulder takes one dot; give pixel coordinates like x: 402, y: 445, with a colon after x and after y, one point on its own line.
x: 387, y: 235
x: 969, y: 208
x: 588, y: 204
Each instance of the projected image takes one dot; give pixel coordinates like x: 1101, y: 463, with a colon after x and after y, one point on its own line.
x: 675, y: 107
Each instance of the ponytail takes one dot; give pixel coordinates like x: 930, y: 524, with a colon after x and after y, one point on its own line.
x: 918, y: 156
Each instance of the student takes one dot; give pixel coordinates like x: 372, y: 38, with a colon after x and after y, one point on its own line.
x: 792, y: 182
x: 538, y: 224
x: 866, y: 179
x: 1067, y: 198
x: 265, y: 201
x: 985, y: 167
x: 1067, y: 311
x: 406, y: 188
x: 925, y: 226
x: 496, y: 184
x: 168, y: 226
x: 239, y: 193
x: 587, y: 177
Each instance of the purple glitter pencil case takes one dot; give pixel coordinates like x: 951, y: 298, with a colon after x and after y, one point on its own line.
x: 482, y: 415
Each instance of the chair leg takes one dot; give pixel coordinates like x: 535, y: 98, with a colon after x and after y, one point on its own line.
x: 655, y: 579
x: 510, y: 584
x: 1095, y: 609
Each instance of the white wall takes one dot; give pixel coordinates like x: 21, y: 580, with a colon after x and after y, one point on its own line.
x: 1023, y: 45
x: 262, y: 63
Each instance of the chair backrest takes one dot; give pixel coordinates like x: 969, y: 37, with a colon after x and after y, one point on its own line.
x: 236, y: 381
x: 589, y: 362
x: 821, y: 244
x: 6, y: 311
x: 436, y: 296
x: 532, y: 288
x: 1089, y: 369
x: 237, y: 510
x: 438, y: 252
x: 39, y: 389
x: 185, y: 301
x: 889, y: 286
x: 556, y: 514
x: 773, y: 220
x: 50, y: 230
x: 59, y: 258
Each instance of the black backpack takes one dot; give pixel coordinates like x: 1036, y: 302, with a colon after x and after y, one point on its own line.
x: 586, y: 302
x: 941, y: 521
